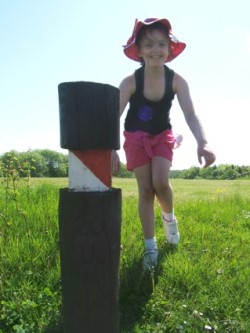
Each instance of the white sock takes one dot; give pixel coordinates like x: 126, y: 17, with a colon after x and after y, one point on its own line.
x: 168, y: 217
x: 150, y: 244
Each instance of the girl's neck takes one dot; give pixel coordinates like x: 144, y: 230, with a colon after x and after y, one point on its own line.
x: 154, y: 83
x: 153, y: 71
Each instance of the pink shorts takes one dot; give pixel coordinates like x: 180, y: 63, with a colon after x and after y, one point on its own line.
x: 140, y: 147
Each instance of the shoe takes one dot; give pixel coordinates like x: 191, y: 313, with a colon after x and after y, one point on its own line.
x: 171, y: 231
x: 150, y: 258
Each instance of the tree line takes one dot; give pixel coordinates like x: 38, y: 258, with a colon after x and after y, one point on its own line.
x: 34, y: 163
x: 222, y: 171
x: 48, y: 163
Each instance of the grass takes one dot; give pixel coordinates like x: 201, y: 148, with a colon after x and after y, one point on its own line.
x: 204, y: 284
x: 200, y: 286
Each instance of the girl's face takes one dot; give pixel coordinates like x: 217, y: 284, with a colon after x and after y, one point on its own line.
x: 153, y: 47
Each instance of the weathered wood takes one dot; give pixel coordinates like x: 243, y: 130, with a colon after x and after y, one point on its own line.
x: 90, y: 210
x: 89, y: 226
x: 89, y: 116
x: 90, y: 170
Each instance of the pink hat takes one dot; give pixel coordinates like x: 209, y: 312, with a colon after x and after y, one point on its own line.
x: 130, y: 49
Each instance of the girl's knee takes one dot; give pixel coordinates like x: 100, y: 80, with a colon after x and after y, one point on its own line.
x: 147, y: 192
x: 161, y: 187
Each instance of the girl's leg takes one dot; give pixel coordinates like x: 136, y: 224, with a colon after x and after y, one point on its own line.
x: 146, y: 212
x: 146, y: 200
x: 160, y: 179
x: 164, y: 193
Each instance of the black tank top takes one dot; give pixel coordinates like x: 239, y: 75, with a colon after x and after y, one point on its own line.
x: 149, y: 116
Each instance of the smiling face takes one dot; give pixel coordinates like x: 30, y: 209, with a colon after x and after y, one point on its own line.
x: 153, y: 45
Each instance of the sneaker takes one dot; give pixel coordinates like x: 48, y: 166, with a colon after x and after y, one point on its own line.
x: 171, y: 231
x: 150, y: 258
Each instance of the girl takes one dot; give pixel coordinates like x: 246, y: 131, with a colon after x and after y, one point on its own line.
x: 149, y: 140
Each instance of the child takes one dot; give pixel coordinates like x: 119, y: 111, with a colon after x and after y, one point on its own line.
x: 149, y: 140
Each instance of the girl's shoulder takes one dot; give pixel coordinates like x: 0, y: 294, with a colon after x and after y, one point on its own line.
x: 128, y: 84
x: 179, y: 82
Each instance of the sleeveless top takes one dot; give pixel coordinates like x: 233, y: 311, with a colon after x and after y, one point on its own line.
x: 146, y: 115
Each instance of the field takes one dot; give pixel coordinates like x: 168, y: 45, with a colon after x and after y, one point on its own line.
x: 203, y: 285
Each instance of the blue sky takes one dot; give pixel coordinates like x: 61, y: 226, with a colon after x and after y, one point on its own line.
x: 44, y: 43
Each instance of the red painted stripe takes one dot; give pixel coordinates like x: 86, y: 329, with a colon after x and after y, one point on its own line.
x: 99, y: 163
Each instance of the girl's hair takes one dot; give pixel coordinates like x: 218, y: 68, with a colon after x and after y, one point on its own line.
x: 147, y: 29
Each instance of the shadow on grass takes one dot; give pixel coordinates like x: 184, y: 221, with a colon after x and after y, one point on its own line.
x: 58, y: 329
x: 54, y: 329
x: 137, y: 287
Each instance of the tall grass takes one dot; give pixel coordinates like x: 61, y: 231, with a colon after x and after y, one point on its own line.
x: 203, y: 285
x: 30, y: 274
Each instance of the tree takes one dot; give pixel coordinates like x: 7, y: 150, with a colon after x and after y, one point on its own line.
x: 35, y: 163
x: 190, y: 173
x: 57, y: 163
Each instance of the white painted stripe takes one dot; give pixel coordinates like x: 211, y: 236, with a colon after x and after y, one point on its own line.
x: 81, y: 179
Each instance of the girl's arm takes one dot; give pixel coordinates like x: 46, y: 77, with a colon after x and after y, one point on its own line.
x: 181, y: 89
x: 127, y: 88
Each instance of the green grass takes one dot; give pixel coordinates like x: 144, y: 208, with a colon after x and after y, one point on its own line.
x: 203, y: 285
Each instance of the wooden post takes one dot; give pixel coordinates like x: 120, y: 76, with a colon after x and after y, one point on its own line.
x: 90, y: 209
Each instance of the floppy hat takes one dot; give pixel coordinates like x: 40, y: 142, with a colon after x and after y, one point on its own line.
x: 130, y: 49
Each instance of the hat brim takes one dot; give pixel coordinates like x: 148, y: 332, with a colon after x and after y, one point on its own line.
x: 131, y: 51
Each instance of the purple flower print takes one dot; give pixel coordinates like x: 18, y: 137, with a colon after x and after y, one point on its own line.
x: 145, y: 113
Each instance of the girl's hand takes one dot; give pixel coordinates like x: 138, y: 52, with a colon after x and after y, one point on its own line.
x: 207, y: 154
x: 115, y: 163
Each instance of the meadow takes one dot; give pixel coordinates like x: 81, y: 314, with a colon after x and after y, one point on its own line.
x: 203, y: 285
